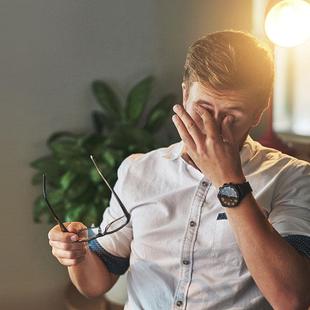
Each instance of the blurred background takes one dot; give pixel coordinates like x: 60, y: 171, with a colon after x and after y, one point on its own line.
x: 51, y: 51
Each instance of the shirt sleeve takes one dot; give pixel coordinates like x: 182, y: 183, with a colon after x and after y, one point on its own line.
x: 115, y: 264
x: 114, y: 249
x: 290, y: 213
x: 300, y: 243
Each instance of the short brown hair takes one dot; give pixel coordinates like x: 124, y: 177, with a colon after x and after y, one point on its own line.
x: 231, y: 60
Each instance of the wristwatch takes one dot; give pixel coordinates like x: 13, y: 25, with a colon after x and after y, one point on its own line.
x: 230, y: 194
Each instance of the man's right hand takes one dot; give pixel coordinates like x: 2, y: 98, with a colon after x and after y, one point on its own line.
x: 68, y: 252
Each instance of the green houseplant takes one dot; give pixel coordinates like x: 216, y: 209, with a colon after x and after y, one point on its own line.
x: 75, y: 189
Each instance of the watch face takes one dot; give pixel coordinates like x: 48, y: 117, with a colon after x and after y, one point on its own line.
x: 230, y: 192
x: 229, y: 196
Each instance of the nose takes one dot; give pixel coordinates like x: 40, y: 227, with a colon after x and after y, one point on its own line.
x: 218, y: 115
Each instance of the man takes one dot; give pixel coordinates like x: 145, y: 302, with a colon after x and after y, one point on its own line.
x: 217, y: 220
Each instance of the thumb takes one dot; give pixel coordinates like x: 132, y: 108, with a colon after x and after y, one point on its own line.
x: 227, y: 129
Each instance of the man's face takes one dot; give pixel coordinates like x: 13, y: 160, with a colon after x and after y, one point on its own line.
x: 246, y: 114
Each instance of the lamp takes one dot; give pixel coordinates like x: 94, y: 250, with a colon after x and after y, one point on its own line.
x: 287, y: 24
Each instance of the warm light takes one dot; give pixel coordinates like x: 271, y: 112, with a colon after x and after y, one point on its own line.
x: 288, y: 23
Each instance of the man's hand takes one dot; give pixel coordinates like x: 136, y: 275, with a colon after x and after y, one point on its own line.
x: 68, y: 252
x: 215, y: 153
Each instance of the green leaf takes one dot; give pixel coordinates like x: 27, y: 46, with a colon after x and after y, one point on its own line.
x: 94, y: 175
x: 67, y: 179
x: 112, y: 157
x: 90, y: 141
x: 107, y: 99
x: 79, y: 164
x: 102, y: 122
x: 55, y: 197
x: 156, y: 120
x: 48, y: 165
x: 92, y: 144
x: 138, y: 98
x: 60, y: 135
x: 91, y: 216
x: 98, y: 121
x: 66, y: 148
x: 74, y: 214
x: 78, y: 188
x: 109, y: 157
x: 37, y: 179
x: 44, y: 163
x: 160, y: 113
x: 128, y: 135
x: 87, y: 197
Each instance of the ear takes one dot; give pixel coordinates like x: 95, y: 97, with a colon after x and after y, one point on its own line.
x: 257, y: 118
x: 260, y: 113
x: 185, y: 92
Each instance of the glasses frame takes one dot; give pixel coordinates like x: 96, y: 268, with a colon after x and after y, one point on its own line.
x: 100, y: 232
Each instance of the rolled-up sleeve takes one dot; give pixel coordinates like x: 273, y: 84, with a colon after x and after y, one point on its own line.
x: 290, y: 214
x: 115, y: 264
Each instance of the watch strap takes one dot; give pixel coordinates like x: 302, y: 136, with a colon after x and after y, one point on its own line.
x: 244, y: 189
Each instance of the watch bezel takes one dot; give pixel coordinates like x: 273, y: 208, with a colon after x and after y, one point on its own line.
x: 229, y: 201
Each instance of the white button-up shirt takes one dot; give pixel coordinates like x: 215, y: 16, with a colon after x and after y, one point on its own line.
x: 182, y: 250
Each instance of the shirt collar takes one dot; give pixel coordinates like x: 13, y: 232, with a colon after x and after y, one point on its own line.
x: 248, y: 150
x: 174, y: 151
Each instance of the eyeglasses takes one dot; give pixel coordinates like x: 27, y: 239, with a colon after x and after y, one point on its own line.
x: 92, y: 233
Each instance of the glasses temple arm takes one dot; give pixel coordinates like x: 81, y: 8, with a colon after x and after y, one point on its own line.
x: 61, y: 225
x: 111, y: 189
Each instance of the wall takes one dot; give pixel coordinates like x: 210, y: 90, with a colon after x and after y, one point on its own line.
x: 50, y: 52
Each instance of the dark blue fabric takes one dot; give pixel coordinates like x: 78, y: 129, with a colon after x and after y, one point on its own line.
x: 300, y: 242
x: 221, y: 216
x: 115, y: 264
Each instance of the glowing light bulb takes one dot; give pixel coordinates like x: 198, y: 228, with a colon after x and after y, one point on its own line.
x: 288, y: 23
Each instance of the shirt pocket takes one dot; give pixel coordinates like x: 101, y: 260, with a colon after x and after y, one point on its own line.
x: 225, y: 248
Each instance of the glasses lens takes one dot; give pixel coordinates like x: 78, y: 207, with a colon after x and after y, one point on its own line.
x: 88, y: 234
x: 116, y: 224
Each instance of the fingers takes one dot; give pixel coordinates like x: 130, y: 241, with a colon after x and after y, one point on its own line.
x: 61, y: 254
x: 208, y: 122
x: 67, y: 252
x: 56, y: 234
x: 75, y: 227
x: 185, y: 136
x: 186, y: 126
x: 72, y: 251
x: 227, y: 129
x: 68, y: 246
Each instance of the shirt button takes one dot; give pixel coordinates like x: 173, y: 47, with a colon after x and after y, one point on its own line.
x: 179, y: 303
x: 192, y: 223
x: 185, y: 261
x: 204, y: 183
